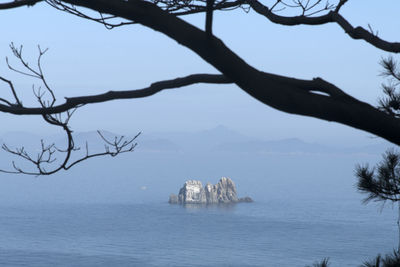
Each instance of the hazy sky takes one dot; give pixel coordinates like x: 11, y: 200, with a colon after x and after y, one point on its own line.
x: 86, y: 58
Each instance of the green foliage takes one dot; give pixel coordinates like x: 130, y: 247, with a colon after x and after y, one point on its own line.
x: 381, y: 183
x: 390, y: 260
x: 323, y: 263
x: 373, y: 263
x: 390, y: 103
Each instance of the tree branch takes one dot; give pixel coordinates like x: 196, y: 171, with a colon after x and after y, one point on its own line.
x: 74, y: 102
x: 18, y: 3
x: 209, y: 16
x: 332, y: 16
x: 283, y: 93
x: 45, y: 162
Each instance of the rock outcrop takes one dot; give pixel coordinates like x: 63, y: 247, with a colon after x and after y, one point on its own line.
x: 192, y: 192
x: 173, y: 199
x: 246, y: 199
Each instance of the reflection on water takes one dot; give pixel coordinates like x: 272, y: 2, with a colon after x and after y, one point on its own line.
x: 213, y: 207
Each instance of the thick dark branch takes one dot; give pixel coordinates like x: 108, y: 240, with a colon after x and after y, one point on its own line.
x: 283, y: 93
x: 332, y: 16
x: 340, y: 5
x: 154, y: 88
x: 209, y: 16
x: 18, y: 3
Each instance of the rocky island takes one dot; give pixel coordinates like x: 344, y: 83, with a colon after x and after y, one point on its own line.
x: 193, y: 192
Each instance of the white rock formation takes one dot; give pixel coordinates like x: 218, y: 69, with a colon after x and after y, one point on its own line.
x: 193, y: 192
x: 226, y: 191
x: 211, y: 193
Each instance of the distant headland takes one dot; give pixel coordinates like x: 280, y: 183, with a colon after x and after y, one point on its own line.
x: 192, y: 192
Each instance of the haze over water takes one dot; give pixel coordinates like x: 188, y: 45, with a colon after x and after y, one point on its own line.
x: 114, y: 212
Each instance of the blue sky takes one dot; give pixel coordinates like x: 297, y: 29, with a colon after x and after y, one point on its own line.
x: 85, y: 58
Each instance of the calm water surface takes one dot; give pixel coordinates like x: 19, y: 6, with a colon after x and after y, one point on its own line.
x: 272, y: 233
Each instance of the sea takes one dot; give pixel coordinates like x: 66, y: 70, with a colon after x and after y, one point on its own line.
x: 114, y: 211
x: 279, y: 232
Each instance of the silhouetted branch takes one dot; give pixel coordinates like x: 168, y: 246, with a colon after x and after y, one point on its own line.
x: 391, y: 69
x: 47, y: 154
x: 106, y: 20
x: 283, y: 93
x: 45, y: 160
x: 186, y: 7
x: 18, y: 3
x: 390, y: 260
x: 76, y: 102
x: 119, y: 146
x: 383, y: 182
x: 340, y: 5
x: 390, y: 102
x: 30, y: 71
x: 323, y: 263
x: 209, y: 16
x: 307, y: 7
x: 17, y: 101
x: 332, y: 16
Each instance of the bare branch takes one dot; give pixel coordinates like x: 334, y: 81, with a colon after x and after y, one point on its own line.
x: 107, y: 21
x: 47, y: 154
x: 45, y: 161
x: 186, y: 7
x: 121, y: 146
x: 283, y: 93
x: 332, y: 16
x: 10, y: 84
x: 279, y: 92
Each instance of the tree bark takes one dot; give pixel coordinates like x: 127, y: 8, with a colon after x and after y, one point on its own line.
x: 302, y: 97
x: 283, y: 93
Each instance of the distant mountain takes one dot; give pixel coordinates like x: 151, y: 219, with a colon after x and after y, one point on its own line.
x: 297, y: 146
x: 145, y: 143
x: 222, y: 134
x: 157, y: 145
x: 218, y: 139
x: 19, y: 138
x: 204, y: 140
x: 292, y: 145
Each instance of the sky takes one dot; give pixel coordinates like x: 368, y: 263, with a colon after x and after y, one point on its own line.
x: 85, y: 58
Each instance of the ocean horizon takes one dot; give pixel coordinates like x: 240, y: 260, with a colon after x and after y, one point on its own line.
x: 279, y: 232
